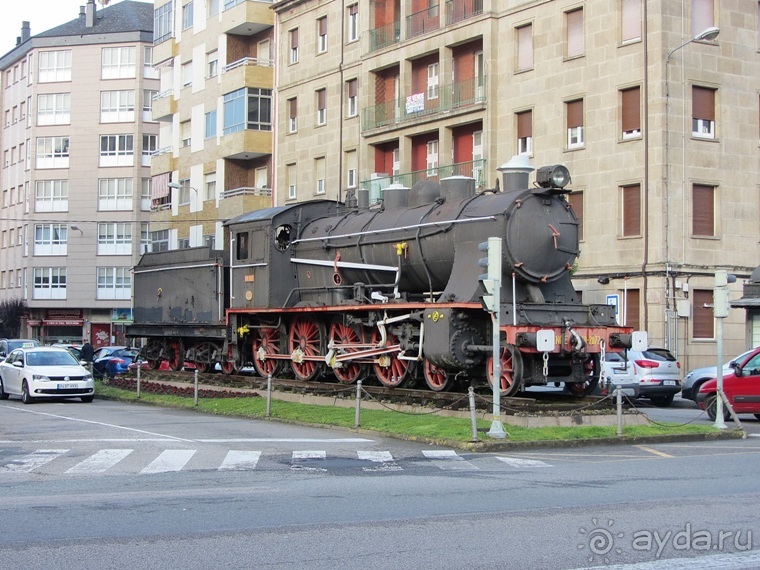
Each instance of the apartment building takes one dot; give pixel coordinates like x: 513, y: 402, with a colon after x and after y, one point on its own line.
x: 215, y: 109
x: 76, y: 144
x: 653, y: 107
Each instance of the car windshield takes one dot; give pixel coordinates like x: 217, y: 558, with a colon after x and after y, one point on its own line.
x: 661, y: 354
x: 14, y: 344
x: 125, y: 353
x: 50, y: 359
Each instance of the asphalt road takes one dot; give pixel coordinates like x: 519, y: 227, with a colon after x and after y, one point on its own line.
x: 113, y: 485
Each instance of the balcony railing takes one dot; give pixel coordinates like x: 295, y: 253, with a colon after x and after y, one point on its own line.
x: 168, y: 93
x: 383, y: 36
x: 248, y: 61
x: 247, y: 191
x: 423, y: 21
x: 452, y: 96
x: 474, y: 169
x: 458, y: 10
x: 230, y: 3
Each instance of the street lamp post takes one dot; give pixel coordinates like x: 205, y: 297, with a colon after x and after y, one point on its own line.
x: 179, y: 186
x: 709, y: 34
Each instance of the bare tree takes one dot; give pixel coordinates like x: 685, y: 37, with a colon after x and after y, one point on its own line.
x: 10, y: 317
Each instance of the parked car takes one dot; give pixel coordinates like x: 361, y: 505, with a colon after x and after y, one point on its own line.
x: 44, y: 372
x: 74, y: 349
x: 9, y: 344
x: 694, y: 379
x: 741, y: 387
x: 112, y: 360
x: 653, y: 373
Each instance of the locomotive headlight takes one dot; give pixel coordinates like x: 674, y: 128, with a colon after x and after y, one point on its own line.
x: 554, y: 176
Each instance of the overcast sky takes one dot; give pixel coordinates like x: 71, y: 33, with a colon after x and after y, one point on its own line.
x: 41, y: 15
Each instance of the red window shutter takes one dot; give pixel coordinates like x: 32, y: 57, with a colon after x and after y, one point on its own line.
x: 631, y: 109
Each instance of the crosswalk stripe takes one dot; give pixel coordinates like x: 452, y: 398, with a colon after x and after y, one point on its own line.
x: 301, y: 455
x: 32, y: 461
x: 240, y: 460
x: 384, y: 458
x: 169, y: 460
x: 100, y: 461
x: 448, y: 460
x: 519, y: 462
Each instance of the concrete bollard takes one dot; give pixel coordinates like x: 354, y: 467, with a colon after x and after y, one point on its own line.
x: 358, y: 403
x: 269, y: 395
x: 138, y: 379
x: 195, y: 388
x: 619, y: 401
x: 473, y: 416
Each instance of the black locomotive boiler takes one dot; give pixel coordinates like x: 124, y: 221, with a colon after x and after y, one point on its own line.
x: 392, y: 290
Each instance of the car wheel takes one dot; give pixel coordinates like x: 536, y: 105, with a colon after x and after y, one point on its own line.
x: 87, y: 399
x: 662, y: 401
x: 710, y: 407
x: 3, y: 394
x: 25, y: 396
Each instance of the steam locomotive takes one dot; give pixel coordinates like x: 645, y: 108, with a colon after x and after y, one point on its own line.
x: 394, y: 290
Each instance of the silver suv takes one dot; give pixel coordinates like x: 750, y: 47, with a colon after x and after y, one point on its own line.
x: 655, y: 370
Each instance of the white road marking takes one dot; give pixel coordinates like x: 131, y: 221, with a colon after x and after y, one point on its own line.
x: 519, y: 462
x: 299, y: 456
x: 448, y: 460
x: 286, y: 440
x: 240, y: 460
x: 169, y: 460
x: 736, y: 561
x: 383, y: 457
x: 653, y: 451
x: 32, y: 461
x: 100, y: 461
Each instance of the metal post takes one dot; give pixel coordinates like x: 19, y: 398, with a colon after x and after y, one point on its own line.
x: 619, y: 401
x: 139, y: 365
x: 473, y: 417
x: 195, y: 390
x: 497, y: 428
x: 358, y: 403
x: 269, y: 395
x: 719, y: 419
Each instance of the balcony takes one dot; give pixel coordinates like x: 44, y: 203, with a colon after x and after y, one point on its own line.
x: 459, y: 10
x: 451, y: 97
x: 248, y: 72
x: 475, y: 169
x: 165, y: 50
x: 246, y: 144
x: 424, y: 21
x: 384, y: 36
x: 237, y: 200
x: 163, y: 106
x: 247, y: 17
x: 162, y: 161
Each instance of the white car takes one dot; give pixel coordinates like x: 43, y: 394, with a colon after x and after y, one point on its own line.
x: 44, y: 372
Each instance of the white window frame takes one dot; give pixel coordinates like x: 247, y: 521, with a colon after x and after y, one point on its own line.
x: 52, y: 152
x: 149, y: 147
x: 703, y: 128
x: 321, y: 113
x: 114, y: 283
x: 115, y: 194
x: 49, y: 283
x: 114, y: 238
x: 119, y: 62
x: 187, y: 15
x: 54, y: 66
x: 575, y: 137
x: 53, y: 109
x: 51, y: 196
x: 50, y: 239
x: 117, y: 106
x: 432, y: 81
x: 352, y: 22
x: 146, y: 186
x: 431, y: 158
x: 321, y: 38
x: 120, y: 150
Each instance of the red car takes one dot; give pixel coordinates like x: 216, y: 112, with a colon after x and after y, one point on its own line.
x: 741, y: 387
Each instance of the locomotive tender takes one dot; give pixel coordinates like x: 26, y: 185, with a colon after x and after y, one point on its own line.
x: 319, y: 287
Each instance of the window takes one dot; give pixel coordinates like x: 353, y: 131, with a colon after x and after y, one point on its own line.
x: 186, y: 133
x: 117, y: 150
x: 432, y: 158
x: 149, y: 146
x: 631, y: 113
x: 319, y: 174
x: 575, y: 199
x: 49, y: 283
x: 162, y: 23
x: 352, y: 87
x: 54, y: 66
x: 212, y: 64
x: 117, y: 106
x: 630, y: 24
x: 574, y: 111
x: 352, y: 22
x: 631, y: 210
x: 183, y: 243
x: 525, y: 133
x: 432, y: 81
x: 351, y: 178
x: 292, y: 195
x: 114, y: 194
x: 148, y: 95
x: 115, y: 238
x: 213, y: 7
x: 52, y: 152
x: 210, y: 186
x: 187, y: 15
x: 702, y: 16
x: 703, y: 112
x: 525, y: 47
x: 321, y: 106
x: 51, y: 196
x: 159, y: 241
x: 50, y: 239
x: 145, y: 194
x: 119, y: 62
x: 241, y: 241
x: 703, y: 211
x: 54, y: 109
x: 183, y: 193
x: 187, y: 73
x: 292, y: 115
x: 248, y: 108
x: 575, y: 44
x: 322, y: 35
x: 145, y: 237
x: 210, y: 130
x: 293, y: 45
x: 114, y: 283
x: 702, y: 318
x: 148, y: 69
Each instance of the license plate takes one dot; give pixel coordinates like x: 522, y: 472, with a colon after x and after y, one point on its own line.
x: 669, y: 383
x: 68, y: 385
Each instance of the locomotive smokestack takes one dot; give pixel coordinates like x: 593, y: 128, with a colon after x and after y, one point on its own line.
x: 515, y: 173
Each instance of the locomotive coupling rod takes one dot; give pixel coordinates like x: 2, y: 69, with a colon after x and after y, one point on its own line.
x: 479, y: 347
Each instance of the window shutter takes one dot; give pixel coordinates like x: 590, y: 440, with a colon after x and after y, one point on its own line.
x: 293, y: 108
x: 322, y: 98
x: 575, y: 45
x: 525, y: 47
x: 631, y: 109
x: 353, y: 88
x: 524, y: 124
x: 703, y: 214
x: 632, y: 210
x: 703, y: 103
x: 631, y: 20
x: 703, y: 321
x: 294, y: 38
x: 322, y: 26
x: 575, y: 114
x: 702, y: 16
